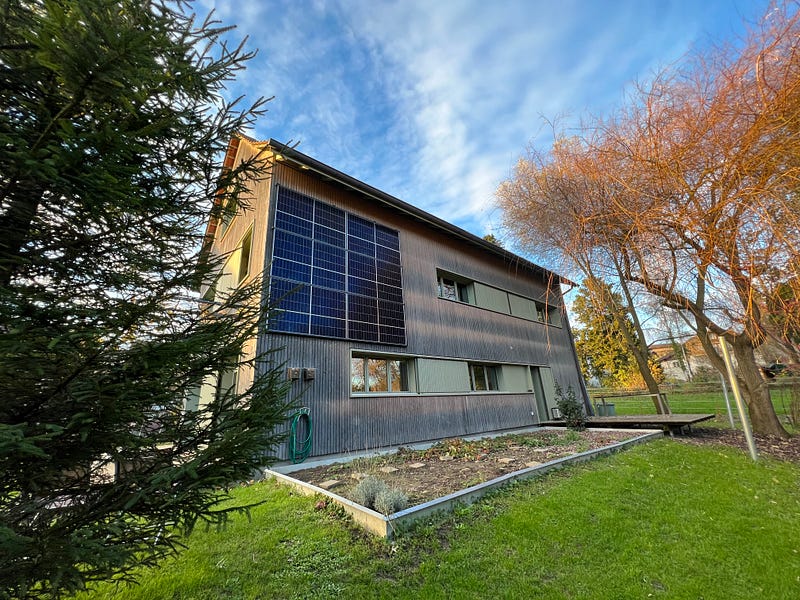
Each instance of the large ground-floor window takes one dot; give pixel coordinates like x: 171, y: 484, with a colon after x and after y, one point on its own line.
x: 378, y: 374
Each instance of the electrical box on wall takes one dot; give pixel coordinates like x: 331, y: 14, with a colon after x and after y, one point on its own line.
x: 309, y: 374
x: 293, y: 373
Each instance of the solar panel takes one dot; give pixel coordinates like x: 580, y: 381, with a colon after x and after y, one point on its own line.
x: 296, y: 204
x: 361, y: 266
x: 329, y: 216
x: 328, y: 327
x: 289, y: 269
x: 387, y: 237
x: 328, y: 303
x: 293, y: 224
x: 360, y: 227
x: 367, y: 332
x: 364, y: 287
x: 292, y: 247
x: 329, y: 257
x: 355, y: 244
x: 335, y: 274
x: 329, y: 279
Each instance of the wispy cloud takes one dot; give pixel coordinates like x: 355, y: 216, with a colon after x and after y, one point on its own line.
x: 433, y: 102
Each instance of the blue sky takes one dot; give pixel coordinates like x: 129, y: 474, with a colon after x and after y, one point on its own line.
x: 434, y: 101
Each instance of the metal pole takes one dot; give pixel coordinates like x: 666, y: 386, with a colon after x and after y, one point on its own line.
x: 727, y: 400
x: 737, y: 394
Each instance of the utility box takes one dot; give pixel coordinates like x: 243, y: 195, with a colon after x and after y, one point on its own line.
x: 309, y: 374
x: 293, y: 373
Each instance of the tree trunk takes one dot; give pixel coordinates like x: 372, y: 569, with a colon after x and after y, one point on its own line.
x: 755, y: 391
x: 638, y: 343
x: 14, y: 231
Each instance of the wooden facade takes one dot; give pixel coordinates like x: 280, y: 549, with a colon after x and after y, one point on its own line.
x: 444, y: 337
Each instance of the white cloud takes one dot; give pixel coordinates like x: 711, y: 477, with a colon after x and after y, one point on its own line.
x: 433, y: 101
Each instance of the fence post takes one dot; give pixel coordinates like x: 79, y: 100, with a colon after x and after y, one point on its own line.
x: 727, y: 401
x: 748, y: 434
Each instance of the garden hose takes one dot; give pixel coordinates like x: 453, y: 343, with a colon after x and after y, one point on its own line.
x: 300, y: 449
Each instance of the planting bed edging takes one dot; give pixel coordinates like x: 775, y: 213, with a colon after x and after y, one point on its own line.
x: 388, y: 526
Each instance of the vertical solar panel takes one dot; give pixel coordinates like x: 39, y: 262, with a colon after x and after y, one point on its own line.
x: 335, y: 274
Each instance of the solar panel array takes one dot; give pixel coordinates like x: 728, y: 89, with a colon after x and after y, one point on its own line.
x: 335, y: 274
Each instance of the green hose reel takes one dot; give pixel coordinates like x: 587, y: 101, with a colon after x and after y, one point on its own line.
x: 300, y: 449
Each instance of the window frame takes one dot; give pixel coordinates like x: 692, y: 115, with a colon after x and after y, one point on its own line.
x: 461, y: 287
x: 245, y: 257
x: 404, y: 370
x: 489, y: 375
x: 465, y: 292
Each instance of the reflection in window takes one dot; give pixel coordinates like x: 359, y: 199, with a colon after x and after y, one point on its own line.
x: 378, y: 374
x: 398, y: 375
x: 483, y: 378
x: 244, y: 261
x: 357, y: 379
x: 453, y: 289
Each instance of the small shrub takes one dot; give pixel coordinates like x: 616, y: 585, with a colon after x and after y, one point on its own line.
x: 368, y: 490
x: 571, y: 409
x: 390, y: 501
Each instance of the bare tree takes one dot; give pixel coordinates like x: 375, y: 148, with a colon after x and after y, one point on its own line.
x: 552, y: 206
x: 691, y: 192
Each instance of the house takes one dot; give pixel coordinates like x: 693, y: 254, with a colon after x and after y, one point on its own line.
x: 396, y: 327
x: 687, y: 361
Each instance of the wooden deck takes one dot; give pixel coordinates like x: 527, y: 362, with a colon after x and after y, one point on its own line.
x: 669, y: 423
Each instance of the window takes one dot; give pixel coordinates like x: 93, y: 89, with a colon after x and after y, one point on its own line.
x: 482, y: 378
x: 373, y: 374
x: 349, y: 265
x: 228, y: 212
x: 459, y: 290
x: 244, y: 261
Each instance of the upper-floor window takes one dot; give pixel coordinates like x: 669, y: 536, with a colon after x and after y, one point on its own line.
x: 459, y: 289
x: 244, y: 256
x: 452, y: 288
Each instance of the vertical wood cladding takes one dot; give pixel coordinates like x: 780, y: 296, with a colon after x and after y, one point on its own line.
x: 435, y: 328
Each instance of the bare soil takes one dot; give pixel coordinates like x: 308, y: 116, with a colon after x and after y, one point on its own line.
x: 787, y: 449
x: 456, y: 464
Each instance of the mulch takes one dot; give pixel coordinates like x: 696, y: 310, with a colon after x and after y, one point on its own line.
x: 787, y: 449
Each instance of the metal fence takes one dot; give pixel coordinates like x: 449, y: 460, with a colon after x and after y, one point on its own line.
x: 695, y: 398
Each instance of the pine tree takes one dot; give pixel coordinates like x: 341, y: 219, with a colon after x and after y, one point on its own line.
x: 602, y: 347
x: 112, y: 126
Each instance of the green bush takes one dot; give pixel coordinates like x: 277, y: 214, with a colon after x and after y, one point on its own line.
x: 571, y: 409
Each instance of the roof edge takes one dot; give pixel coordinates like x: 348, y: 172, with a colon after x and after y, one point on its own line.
x: 290, y: 152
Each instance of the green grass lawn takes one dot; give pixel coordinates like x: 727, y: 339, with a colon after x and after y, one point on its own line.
x: 662, y: 520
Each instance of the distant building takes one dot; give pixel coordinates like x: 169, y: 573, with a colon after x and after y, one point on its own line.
x: 681, y: 362
x: 688, y: 361
x: 396, y: 326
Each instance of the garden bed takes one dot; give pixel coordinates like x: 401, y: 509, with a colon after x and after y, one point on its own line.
x: 453, y: 472
x: 456, y: 464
